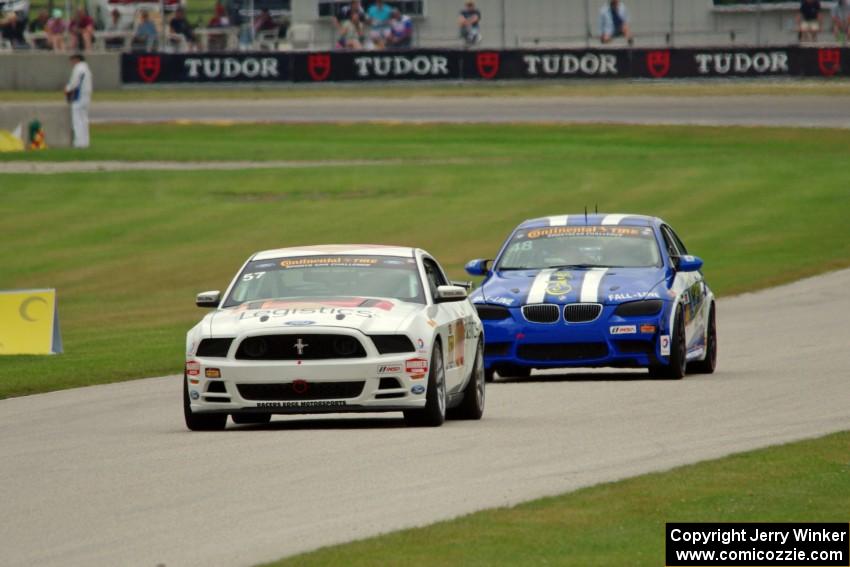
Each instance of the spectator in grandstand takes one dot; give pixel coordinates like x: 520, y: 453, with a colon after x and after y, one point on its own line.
x: 401, y: 30
x: 115, y: 26
x: 56, y: 31
x: 841, y: 20
x: 614, y: 22
x: 180, y: 26
x: 39, y: 25
x: 352, y: 32
x: 145, y: 36
x: 469, y: 23
x: 346, y: 10
x: 379, y: 16
x: 219, y: 19
x: 12, y: 30
x: 808, y: 20
x: 264, y: 22
x: 81, y: 29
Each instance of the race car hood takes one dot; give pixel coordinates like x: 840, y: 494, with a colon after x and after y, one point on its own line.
x: 591, y: 285
x: 368, y: 315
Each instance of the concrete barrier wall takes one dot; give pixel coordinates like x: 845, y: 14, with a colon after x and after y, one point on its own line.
x: 54, y: 118
x: 50, y: 71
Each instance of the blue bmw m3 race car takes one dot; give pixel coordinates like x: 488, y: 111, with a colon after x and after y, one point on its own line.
x: 595, y: 290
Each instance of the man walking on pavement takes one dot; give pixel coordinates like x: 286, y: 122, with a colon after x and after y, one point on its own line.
x: 78, y: 92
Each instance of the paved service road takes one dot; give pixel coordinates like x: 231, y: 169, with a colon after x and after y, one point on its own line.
x: 798, y: 111
x: 108, y: 476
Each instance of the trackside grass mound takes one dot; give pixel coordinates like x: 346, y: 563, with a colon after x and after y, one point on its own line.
x: 622, y: 523
x: 127, y: 251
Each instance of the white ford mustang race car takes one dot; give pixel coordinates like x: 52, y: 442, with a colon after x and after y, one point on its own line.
x: 326, y: 329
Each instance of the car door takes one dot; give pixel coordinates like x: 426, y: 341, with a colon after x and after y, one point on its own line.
x: 691, y: 290
x: 451, y: 326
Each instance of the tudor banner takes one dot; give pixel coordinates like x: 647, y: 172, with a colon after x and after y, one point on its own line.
x: 154, y: 68
x: 417, y: 65
x: 453, y: 65
x: 29, y: 322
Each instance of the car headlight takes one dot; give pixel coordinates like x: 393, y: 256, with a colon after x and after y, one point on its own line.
x: 492, y: 312
x: 639, y: 308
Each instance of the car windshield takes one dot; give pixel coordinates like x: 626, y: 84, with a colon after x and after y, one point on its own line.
x: 327, y: 277
x: 581, y: 247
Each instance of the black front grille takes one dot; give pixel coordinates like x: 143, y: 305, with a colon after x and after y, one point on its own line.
x: 389, y: 384
x: 562, y: 351
x: 496, y: 349
x: 299, y: 347
x: 301, y: 391
x: 492, y: 312
x: 392, y: 344
x: 581, y: 312
x: 635, y: 347
x: 388, y: 395
x: 214, y: 347
x: 541, y: 313
x: 216, y: 388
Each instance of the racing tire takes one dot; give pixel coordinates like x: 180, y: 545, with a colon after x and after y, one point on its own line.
x: 472, y: 405
x: 201, y: 421
x: 251, y: 418
x: 709, y: 363
x: 434, y: 412
x: 514, y: 371
x: 678, y: 366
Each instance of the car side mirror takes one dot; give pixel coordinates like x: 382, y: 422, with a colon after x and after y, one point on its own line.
x: 449, y: 293
x: 208, y: 299
x: 465, y: 285
x: 477, y: 267
x: 689, y: 263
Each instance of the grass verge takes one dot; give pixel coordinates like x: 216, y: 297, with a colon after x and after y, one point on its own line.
x: 622, y: 523
x: 690, y: 88
x: 127, y: 251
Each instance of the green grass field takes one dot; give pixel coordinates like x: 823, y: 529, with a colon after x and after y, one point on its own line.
x: 562, y: 89
x: 128, y: 251
x: 622, y: 523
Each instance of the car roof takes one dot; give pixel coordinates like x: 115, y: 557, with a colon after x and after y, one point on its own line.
x: 580, y: 219
x: 322, y: 250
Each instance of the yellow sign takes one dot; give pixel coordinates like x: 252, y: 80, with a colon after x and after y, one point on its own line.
x: 29, y: 322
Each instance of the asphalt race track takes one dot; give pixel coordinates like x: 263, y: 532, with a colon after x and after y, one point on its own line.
x: 108, y: 475
x: 770, y: 110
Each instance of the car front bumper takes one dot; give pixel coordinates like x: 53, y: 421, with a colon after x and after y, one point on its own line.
x: 320, y: 386
x: 609, y: 340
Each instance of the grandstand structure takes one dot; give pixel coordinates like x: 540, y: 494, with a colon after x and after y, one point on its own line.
x: 574, y: 23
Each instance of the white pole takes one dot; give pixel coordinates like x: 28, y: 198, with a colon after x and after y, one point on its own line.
x: 67, y: 23
x: 162, y: 41
x: 253, y: 39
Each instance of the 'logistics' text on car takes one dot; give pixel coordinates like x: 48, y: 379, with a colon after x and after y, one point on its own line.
x: 337, y: 328
x: 595, y: 290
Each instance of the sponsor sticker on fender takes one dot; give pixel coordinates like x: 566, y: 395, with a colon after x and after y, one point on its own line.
x: 623, y: 330
x: 389, y: 369
x: 416, y: 366
x: 665, y: 345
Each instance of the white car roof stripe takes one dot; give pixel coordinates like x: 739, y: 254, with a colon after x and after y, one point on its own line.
x: 590, y: 286
x: 559, y: 220
x: 613, y: 219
